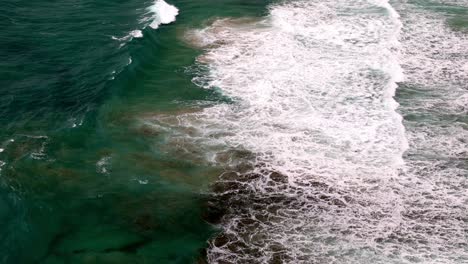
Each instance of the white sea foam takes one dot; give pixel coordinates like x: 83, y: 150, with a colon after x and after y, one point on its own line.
x: 102, y: 165
x: 313, y: 88
x: 159, y: 13
x: 163, y: 13
x: 133, y: 34
x: 434, y: 57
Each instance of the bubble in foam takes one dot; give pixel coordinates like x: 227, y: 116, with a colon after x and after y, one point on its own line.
x: 313, y: 88
x: 434, y: 103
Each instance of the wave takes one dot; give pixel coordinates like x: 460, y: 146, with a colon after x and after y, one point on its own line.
x: 158, y: 14
x: 163, y: 13
x: 318, y: 164
x: 313, y: 88
x: 133, y: 34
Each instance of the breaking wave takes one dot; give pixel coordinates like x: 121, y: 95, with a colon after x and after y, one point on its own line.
x: 319, y: 167
x: 157, y: 14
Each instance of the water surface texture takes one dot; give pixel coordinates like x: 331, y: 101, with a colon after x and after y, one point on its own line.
x: 234, y: 131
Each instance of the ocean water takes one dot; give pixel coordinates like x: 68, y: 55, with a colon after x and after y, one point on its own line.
x: 234, y: 131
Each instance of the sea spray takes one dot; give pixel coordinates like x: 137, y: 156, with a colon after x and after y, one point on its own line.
x: 164, y: 13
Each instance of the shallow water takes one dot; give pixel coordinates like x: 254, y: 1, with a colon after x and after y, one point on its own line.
x: 234, y: 132
x: 338, y: 173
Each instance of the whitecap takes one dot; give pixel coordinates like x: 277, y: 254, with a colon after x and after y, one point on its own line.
x: 102, y: 166
x: 159, y: 13
x: 163, y: 13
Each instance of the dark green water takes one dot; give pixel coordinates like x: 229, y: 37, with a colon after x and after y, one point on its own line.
x: 82, y: 180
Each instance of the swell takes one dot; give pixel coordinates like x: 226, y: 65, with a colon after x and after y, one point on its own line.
x: 55, y: 68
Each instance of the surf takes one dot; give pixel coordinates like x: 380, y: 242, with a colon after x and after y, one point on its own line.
x: 312, y: 87
x: 159, y: 13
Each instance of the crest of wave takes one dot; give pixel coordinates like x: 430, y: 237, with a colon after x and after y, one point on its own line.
x: 159, y: 13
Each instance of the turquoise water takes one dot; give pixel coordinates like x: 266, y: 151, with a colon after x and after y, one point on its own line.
x: 112, y: 150
x: 81, y: 179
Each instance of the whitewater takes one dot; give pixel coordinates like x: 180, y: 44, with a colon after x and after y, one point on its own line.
x: 159, y: 13
x: 313, y: 142
x: 237, y: 131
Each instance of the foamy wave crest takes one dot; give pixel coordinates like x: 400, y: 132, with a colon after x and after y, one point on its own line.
x: 133, y: 34
x: 159, y: 13
x: 163, y: 13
